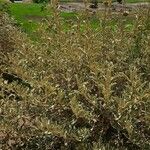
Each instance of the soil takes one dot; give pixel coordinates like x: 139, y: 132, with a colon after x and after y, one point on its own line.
x: 76, y: 7
x: 33, y: 17
x: 73, y: 7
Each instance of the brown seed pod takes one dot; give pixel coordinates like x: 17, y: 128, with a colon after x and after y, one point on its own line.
x: 125, y: 13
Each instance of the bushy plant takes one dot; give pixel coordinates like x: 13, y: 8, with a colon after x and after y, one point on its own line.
x: 79, y: 88
x: 4, y: 7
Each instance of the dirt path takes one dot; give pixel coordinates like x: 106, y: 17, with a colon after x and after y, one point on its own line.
x: 73, y: 7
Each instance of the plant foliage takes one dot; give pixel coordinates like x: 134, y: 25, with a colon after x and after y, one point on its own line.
x: 80, y: 89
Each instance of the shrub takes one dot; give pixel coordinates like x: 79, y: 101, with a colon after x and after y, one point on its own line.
x: 4, y: 7
x: 77, y: 89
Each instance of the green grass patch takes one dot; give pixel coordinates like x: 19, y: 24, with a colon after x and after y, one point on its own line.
x: 29, y: 16
x: 22, y: 12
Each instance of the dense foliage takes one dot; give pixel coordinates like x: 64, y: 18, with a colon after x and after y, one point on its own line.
x: 4, y: 7
x: 76, y: 89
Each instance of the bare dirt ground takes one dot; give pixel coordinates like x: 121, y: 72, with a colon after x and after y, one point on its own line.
x: 77, y: 7
x: 73, y: 7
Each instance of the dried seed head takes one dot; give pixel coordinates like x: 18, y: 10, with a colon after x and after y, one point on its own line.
x: 105, y: 3
x: 125, y: 13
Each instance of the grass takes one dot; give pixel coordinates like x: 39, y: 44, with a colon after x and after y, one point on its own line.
x: 21, y: 12
x: 29, y: 17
